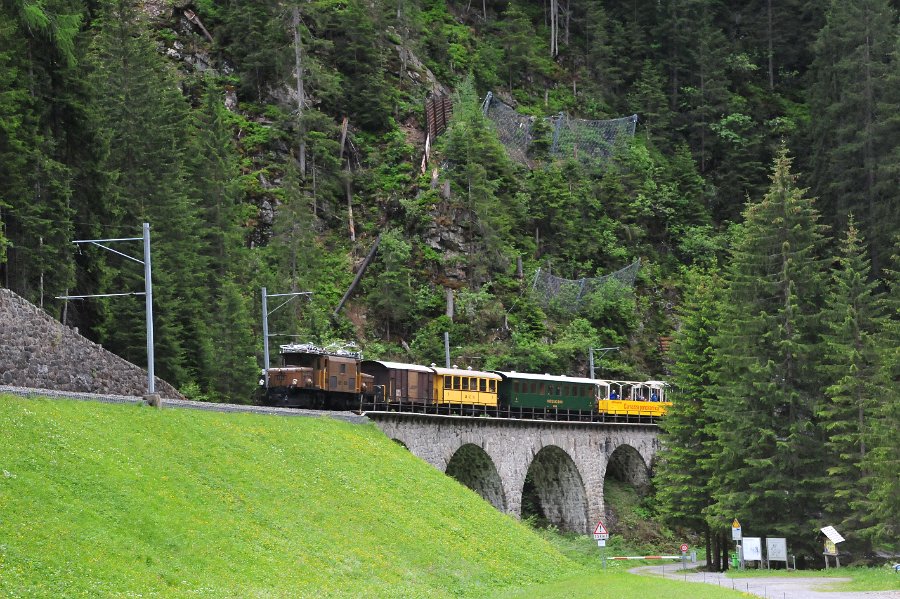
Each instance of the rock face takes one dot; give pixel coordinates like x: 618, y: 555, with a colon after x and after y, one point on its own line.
x: 38, y: 351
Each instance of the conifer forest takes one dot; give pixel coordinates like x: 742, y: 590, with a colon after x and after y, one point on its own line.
x: 754, y: 202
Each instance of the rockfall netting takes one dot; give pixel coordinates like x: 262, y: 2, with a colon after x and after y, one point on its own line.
x: 560, y: 135
x: 569, y: 294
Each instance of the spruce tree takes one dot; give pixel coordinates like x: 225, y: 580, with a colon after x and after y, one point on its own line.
x: 225, y: 365
x: 392, y: 292
x: 38, y: 111
x: 686, y: 463
x: 852, y: 372
x: 770, y: 455
x: 847, y: 100
x: 146, y: 127
x: 882, y: 504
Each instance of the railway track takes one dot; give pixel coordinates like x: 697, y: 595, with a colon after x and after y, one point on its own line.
x: 182, y: 404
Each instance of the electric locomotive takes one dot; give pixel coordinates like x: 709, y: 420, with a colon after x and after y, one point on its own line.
x: 317, y: 378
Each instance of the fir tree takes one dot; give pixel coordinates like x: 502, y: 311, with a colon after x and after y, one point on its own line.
x: 770, y: 464
x: 392, y: 293
x: 687, y: 462
x: 851, y: 369
x: 852, y: 60
x: 145, y: 124
x: 38, y: 110
x: 649, y: 98
x: 882, y: 504
x: 226, y: 361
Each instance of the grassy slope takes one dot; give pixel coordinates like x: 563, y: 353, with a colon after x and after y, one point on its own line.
x: 108, y: 500
x: 102, y: 499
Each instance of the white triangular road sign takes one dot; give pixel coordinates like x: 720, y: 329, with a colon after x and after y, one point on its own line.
x: 600, y: 530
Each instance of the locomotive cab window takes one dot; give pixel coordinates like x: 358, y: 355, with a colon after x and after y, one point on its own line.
x: 302, y: 360
x: 343, y: 369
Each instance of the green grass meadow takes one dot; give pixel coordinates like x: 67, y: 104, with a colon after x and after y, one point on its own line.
x: 100, y: 500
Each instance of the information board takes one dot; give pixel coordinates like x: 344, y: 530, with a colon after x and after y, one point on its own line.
x: 833, y: 535
x: 776, y: 549
x: 752, y: 549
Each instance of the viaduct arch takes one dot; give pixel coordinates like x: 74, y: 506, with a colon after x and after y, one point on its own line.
x: 568, y: 461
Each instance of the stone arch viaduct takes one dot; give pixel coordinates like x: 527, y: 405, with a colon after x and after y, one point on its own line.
x: 568, y: 461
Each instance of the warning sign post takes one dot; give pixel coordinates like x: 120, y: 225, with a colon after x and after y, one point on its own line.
x: 601, y: 534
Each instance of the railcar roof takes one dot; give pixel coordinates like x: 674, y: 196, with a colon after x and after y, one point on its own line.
x: 401, y: 366
x: 548, y: 377
x: 464, y: 372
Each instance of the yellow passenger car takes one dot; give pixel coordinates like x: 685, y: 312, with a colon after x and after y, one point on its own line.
x: 632, y: 398
x: 457, y: 386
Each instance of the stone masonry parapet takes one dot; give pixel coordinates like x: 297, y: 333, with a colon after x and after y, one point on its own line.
x: 36, y: 350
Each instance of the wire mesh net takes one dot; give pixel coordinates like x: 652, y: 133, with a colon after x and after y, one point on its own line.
x: 565, y: 137
x: 570, y: 294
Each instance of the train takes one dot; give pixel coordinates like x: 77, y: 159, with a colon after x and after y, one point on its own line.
x: 338, y: 378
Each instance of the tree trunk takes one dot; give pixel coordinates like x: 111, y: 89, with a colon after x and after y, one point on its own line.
x: 707, y: 536
x: 771, y: 55
x: 348, y: 181
x: 869, y: 153
x: 349, y: 191
x: 301, y: 97
x: 723, y: 542
x: 714, y: 564
x: 554, y: 27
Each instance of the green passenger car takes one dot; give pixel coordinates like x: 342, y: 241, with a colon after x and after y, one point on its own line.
x: 544, y: 392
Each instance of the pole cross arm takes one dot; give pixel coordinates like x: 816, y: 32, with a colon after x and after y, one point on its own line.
x: 147, y: 293
x: 290, y: 298
x: 73, y: 297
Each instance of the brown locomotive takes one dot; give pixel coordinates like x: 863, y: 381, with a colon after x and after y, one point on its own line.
x: 317, y: 378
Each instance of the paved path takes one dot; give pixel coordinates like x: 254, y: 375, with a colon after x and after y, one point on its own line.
x: 769, y: 588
